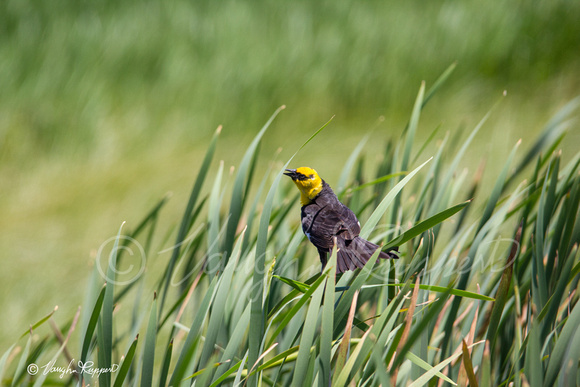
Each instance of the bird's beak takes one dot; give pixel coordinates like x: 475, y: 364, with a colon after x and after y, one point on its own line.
x: 291, y: 173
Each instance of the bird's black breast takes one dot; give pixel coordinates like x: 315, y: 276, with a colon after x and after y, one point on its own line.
x: 327, y: 217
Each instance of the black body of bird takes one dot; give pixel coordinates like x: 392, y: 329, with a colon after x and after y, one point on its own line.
x: 325, y: 219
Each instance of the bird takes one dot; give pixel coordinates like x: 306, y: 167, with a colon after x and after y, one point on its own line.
x: 325, y: 220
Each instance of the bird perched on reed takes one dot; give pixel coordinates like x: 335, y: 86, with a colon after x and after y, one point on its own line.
x: 325, y: 218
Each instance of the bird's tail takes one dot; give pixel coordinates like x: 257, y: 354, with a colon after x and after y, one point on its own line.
x: 354, y: 254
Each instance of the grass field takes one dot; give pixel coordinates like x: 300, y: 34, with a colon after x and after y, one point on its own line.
x: 107, y: 107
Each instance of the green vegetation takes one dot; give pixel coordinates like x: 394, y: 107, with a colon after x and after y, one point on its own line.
x: 247, y: 304
x: 107, y: 105
x: 84, y: 77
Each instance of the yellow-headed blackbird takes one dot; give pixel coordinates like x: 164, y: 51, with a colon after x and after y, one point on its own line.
x: 325, y: 217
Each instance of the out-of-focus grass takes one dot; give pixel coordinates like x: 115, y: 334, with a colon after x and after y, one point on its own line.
x: 84, y: 77
x: 99, y: 100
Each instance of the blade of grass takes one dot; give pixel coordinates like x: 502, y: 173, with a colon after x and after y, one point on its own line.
x: 307, y: 337
x: 349, y: 164
x: 384, y: 168
x: 283, y: 302
x: 289, y: 355
x: 484, y: 229
x: 241, y: 370
x: 440, y: 289
x: 557, y: 295
x: 388, y: 319
x: 475, y: 185
x: 425, y: 225
x: 252, y: 215
x: 262, y: 356
x: 424, y: 379
x: 498, y: 188
x: 346, y: 299
x: 409, y: 140
x: 203, y: 371
x: 557, y: 357
x: 445, y: 182
x: 468, y: 365
x: 149, y: 350
x: 426, y: 143
x: 405, y: 334
x: 412, y: 128
x: 439, y: 82
x: 551, y: 192
x: 485, y: 370
x: 569, y: 369
x: 192, y: 336
x: 344, y: 372
x: 380, y: 180
x: 238, y: 194
x: 21, y: 367
x: 106, y: 343
x: 295, y: 308
x: 257, y: 314
x: 380, y: 210
x: 185, y: 221
x: 426, y: 366
x: 226, y: 374
x: 416, y: 330
x: 565, y: 245
x: 503, y: 290
x: 284, y: 267
x: 300, y: 286
x: 39, y: 323
x: 325, y: 355
x: 560, y: 221
x: 92, y: 325
x: 42, y: 377
x: 166, y: 364
x: 539, y: 282
x: 344, y: 347
x: 4, y: 360
x: 380, y: 373
x: 150, y: 217
x: 234, y: 343
x: 219, y: 305
x: 127, y: 361
x: 554, y: 128
x: 213, y: 218
x: 533, y: 365
x: 383, y: 328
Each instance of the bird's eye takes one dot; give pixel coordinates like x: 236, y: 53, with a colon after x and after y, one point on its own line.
x: 311, y: 177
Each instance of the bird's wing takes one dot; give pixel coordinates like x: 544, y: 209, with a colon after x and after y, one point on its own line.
x: 322, y: 223
x: 318, y: 224
x: 350, y: 226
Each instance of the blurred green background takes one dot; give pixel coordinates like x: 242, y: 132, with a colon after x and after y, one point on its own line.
x: 105, y: 106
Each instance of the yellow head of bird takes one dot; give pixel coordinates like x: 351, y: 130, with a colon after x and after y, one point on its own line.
x: 307, y: 181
